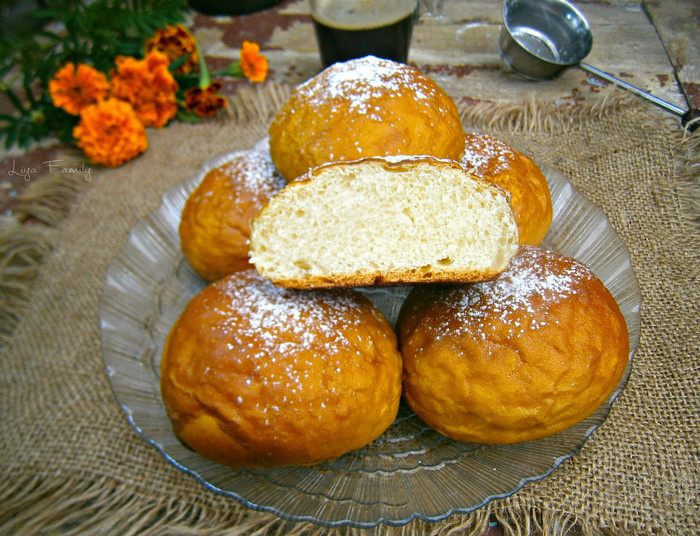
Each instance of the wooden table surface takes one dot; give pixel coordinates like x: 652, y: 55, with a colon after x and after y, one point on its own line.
x: 653, y: 44
x: 632, y: 40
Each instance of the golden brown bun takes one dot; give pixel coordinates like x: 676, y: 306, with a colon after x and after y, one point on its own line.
x: 364, y: 107
x: 254, y: 375
x: 493, y: 160
x: 215, y: 224
x: 518, y: 358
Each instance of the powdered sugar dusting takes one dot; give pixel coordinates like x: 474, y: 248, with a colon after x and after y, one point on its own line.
x: 510, y: 298
x: 274, y: 324
x: 362, y: 80
x: 262, y: 145
x: 255, y: 172
x: 485, y: 155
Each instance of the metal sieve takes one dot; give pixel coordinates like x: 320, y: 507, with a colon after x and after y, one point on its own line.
x: 540, y: 38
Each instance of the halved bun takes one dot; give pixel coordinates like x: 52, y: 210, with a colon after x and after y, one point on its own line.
x: 384, y: 221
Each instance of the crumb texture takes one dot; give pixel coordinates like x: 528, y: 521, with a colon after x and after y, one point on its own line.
x: 391, y: 221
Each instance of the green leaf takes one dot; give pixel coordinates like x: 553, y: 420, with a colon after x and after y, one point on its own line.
x: 176, y: 64
x: 11, y: 134
x: 92, y: 31
x: 186, y: 82
x: 4, y: 69
x: 13, y: 98
x: 46, y: 14
x: 28, y: 89
x: 22, y: 135
x: 51, y: 36
x: 235, y: 69
x: 189, y: 77
x: 129, y: 46
x: 188, y: 117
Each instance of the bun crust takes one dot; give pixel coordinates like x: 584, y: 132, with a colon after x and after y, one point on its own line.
x: 518, y: 358
x: 254, y: 375
x: 496, y: 162
x: 384, y: 220
x: 361, y: 108
x: 215, y: 223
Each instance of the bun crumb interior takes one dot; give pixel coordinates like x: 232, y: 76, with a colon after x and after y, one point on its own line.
x: 384, y: 221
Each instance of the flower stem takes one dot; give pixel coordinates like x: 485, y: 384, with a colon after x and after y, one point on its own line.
x: 234, y: 69
x: 204, y: 77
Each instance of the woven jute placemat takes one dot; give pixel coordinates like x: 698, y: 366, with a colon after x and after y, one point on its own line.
x: 71, y: 464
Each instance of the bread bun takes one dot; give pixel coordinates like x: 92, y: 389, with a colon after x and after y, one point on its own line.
x: 384, y: 220
x: 254, y: 375
x: 215, y: 224
x: 364, y: 107
x: 493, y: 160
x: 518, y: 358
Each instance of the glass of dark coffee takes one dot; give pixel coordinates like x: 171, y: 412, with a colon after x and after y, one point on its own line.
x: 347, y: 29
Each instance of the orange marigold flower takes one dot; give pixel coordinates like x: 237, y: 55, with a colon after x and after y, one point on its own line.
x: 148, y: 86
x: 175, y: 41
x: 253, y: 64
x: 205, y: 102
x: 74, y: 88
x: 109, y: 133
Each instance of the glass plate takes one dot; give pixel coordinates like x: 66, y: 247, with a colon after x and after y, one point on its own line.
x: 410, y: 471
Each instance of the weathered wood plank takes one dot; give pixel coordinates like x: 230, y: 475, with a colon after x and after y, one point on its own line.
x: 460, y: 51
x: 678, y: 25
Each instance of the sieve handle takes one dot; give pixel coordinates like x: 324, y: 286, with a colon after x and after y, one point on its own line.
x: 634, y: 89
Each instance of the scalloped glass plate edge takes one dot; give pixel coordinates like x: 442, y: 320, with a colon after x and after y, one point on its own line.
x: 564, y: 197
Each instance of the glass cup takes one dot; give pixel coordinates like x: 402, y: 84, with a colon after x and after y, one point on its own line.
x: 433, y: 8
x: 347, y: 29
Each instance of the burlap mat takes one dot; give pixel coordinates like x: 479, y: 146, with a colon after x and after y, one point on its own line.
x: 71, y: 464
